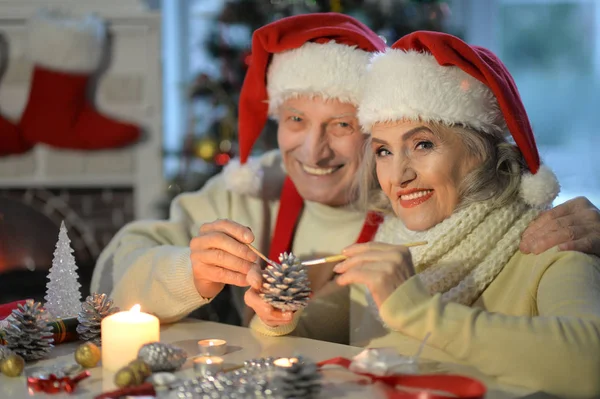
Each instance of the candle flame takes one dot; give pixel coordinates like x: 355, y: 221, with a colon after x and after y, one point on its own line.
x: 136, y: 308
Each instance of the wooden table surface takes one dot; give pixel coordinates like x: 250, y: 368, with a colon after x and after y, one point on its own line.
x: 244, y: 344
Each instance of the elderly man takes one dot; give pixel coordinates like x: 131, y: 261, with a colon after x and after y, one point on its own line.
x: 306, y: 71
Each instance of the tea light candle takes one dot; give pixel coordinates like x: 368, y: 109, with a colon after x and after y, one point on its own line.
x: 208, y: 365
x: 285, y: 362
x: 124, y: 333
x: 212, y: 347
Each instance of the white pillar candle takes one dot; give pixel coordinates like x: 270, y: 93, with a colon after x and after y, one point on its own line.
x: 124, y: 333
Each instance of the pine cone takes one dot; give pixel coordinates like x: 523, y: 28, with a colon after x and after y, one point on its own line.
x: 286, y: 285
x: 95, y: 308
x: 162, y: 357
x: 28, y: 334
x: 301, y: 380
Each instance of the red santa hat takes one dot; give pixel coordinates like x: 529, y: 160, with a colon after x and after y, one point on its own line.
x: 323, y: 55
x: 436, y: 77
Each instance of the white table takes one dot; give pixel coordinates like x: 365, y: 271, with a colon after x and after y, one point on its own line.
x: 244, y: 344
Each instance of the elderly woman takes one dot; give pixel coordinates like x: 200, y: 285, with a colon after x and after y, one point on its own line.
x: 439, y: 113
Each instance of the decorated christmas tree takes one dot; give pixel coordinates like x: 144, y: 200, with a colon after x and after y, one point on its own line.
x: 63, y: 298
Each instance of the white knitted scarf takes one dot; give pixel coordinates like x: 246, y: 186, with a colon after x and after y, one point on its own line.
x: 466, y: 251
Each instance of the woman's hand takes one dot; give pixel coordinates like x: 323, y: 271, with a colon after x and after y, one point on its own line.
x: 380, y: 267
x: 268, y: 314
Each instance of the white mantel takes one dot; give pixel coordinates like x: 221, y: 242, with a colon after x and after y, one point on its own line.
x: 130, y: 89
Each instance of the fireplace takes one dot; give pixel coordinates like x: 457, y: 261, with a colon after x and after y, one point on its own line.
x: 94, y: 192
x: 29, y: 223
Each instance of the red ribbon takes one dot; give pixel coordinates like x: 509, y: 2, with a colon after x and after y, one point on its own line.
x: 145, y: 389
x: 423, y: 386
x: 53, y: 384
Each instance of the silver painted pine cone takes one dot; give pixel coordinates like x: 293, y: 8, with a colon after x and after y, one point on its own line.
x: 28, y: 334
x: 286, y: 285
x: 162, y: 357
x: 301, y: 380
x: 95, y: 308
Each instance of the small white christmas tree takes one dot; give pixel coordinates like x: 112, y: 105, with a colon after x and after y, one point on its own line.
x: 63, y: 298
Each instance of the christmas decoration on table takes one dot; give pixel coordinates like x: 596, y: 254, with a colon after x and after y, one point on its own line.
x: 4, y: 352
x: 28, y: 333
x: 135, y: 373
x: 286, y: 285
x: 95, y: 308
x: 53, y: 384
x: 87, y: 355
x: 12, y: 365
x: 63, y: 298
x: 67, y: 51
x: 63, y: 330
x: 162, y: 357
x: 298, y: 378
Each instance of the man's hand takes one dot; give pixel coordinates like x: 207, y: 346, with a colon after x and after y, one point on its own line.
x: 220, y: 256
x: 573, y: 226
x: 267, y: 313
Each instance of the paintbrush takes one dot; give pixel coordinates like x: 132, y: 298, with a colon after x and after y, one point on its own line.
x: 260, y: 255
x: 339, y: 258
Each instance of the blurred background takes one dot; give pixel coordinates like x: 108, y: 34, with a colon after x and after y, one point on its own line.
x: 175, y: 67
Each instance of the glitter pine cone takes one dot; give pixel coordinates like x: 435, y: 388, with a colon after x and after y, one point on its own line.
x: 95, y: 308
x: 302, y: 380
x: 162, y: 357
x: 286, y: 285
x: 28, y: 333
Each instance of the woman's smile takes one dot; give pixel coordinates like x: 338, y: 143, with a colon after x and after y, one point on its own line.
x: 413, y: 197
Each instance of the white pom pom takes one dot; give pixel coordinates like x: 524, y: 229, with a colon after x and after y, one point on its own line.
x: 539, y: 189
x: 244, y: 179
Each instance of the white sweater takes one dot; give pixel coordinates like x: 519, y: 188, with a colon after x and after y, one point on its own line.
x: 148, y: 262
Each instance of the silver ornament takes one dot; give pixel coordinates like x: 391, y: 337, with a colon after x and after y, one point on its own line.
x: 286, y: 285
x: 301, y: 380
x: 28, y: 334
x: 95, y: 308
x: 162, y: 357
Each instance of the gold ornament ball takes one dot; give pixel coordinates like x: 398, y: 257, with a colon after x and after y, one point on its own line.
x: 206, y: 149
x: 140, y: 367
x: 126, y: 377
x: 12, y: 365
x: 87, y: 355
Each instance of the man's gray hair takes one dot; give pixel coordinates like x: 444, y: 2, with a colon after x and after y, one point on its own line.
x: 497, y: 178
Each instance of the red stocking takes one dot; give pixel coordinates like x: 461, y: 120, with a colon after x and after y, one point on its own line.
x: 66, y: 52
x: 11, y: 141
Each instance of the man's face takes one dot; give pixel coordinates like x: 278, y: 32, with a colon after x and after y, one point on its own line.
x: 321, y: 144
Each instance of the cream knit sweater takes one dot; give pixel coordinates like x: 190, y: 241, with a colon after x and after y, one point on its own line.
x: 148, y: 262
x: 537, y: 324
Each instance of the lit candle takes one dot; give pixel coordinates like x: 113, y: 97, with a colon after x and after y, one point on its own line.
x: 124, y: 333
x: 212, y: 347
x: 208, y: 365
x: 285, y: 362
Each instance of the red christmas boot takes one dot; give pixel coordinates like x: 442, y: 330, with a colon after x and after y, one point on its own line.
x: 66, y: 52
x: 11, y: 141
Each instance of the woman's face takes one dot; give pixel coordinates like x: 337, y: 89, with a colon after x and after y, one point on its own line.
x: 321, y: 144
x: 420, y: 170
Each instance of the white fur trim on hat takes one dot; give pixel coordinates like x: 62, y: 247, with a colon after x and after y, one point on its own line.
x: 540, y: 189
x: 63, y: 42
x: 261, y: 176
x: 330, y: 70
x: 412, y: 85
x: 243, y: 179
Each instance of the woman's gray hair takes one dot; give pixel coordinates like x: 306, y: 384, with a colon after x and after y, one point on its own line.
x: 498, y: 178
